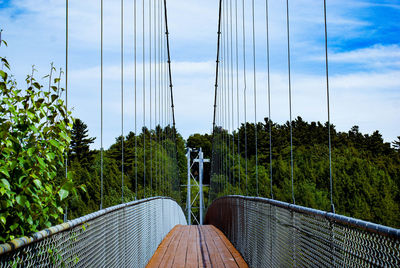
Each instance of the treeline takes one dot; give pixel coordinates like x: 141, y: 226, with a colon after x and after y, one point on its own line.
x: 366, y: 170
x: 151, y: 168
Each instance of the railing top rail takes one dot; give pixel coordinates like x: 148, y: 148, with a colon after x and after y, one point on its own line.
x: 365, y: 225
x: 23, y: 241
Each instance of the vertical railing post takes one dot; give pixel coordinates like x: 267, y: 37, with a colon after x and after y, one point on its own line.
x: 188, y: 201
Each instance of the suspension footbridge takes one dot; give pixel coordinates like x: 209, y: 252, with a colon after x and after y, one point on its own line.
x: 240, y: 230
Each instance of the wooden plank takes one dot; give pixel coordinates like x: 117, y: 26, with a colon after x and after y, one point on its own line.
x: 168, y: 258
x: 192, y: 260
x: 196, y: 246
x: 235, y: 253
x: 226, y: 255
x: 162, y: 248
x: 215, y: 257
x: 202, y: 252
x: 181, y: 251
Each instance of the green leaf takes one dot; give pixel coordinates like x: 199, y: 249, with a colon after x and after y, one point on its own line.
x: 54, y: 143
x: 31, y: 151
x: 37, y: 85
x: 5, y: 172
x: 68, y: 186
x: 21, y: 199
x: 38, y: 183
x: 41, y: 162
x: 13, y: 227
x: 4, y: 75
x: 29, y: 220
x: 83, y: 188
x: 6, y: 184
x: 63, y: 194
x: 3, y: 220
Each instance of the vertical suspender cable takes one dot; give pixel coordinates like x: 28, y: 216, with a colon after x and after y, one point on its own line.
x: 255, y: 92
x: 157, y: 92
x: 245, y: 92
x: 101, y: 104
x: 135, y: 71
x: 225, y: 91
x: 232, y: 93
x: 290, y: 98
x: 144, y: 101
x: 150, y: 95
x: 122, y: 101
x: 328, y: 106
x: 237, y: 87
x: 66, y: 88
x: 269, y: 97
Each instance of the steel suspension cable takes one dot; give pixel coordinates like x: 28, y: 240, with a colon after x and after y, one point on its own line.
x: 255, y: 92
x: 144, y: 100
x: 150, y: 98
x: 328, y: 108
x: 237, y: 86
x: 225, y: 91
x: 135, y: 86
x: 101, y: 101
x: 269, y: 96
x: 159, y: 92
x: 66, y: 85
x: 216, y: 93
x: 122, y: 100
x: 232, y: 93
x: 227, y: 103
x: 171, y: 92
x: 290, y: 98
x: 245, y: 90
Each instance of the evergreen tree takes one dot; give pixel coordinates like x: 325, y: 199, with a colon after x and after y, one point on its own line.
x: 80, y: 144
x: 396, y: 144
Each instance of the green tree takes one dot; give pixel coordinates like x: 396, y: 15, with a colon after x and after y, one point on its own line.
x: 396, y: 144
x: 80, y: 144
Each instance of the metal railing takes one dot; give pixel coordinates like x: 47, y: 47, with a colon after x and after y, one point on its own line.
x: 270, y: 233
x: 125, y: 235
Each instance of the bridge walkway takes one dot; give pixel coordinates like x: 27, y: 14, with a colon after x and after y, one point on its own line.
x: 196, y: 246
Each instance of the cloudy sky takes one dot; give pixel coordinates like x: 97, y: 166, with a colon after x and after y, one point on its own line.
x: 364, y: 51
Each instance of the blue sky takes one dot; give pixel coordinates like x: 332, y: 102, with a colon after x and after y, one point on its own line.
x: 364, y: 50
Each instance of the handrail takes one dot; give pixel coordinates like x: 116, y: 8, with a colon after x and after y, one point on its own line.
x: 365, y: 225
x: 23, y: 241
x: 272, y: 233
x: 113, y: 237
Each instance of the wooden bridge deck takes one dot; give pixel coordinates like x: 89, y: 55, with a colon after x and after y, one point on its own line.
x: 196, y: 246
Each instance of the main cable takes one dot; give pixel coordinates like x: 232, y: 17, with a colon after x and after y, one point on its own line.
x: 290, y: 99
x: 269, y: 96
x: 328, y: 107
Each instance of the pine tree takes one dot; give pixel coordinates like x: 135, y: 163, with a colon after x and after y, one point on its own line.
x: 396, y: 144
x: 80, y: 144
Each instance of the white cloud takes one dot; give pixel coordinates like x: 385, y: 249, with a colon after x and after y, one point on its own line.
x: 377, y: 56
x: 368, y: 98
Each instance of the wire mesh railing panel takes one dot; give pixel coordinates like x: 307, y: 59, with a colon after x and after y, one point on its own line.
x: 126, y: 235
x: 270, y: 233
